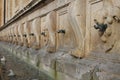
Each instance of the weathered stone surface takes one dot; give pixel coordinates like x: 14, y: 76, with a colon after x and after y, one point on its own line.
x: 51, y: 26
x: 105, y: 76
x: 82, y: 35
x: 110, y: 67
x: 64, y: 27
x: 89, y: 68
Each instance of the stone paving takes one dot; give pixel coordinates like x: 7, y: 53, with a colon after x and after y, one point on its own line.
x: 22, y: 70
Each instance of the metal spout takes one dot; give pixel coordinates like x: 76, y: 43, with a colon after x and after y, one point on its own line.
x: 43, y: 33
x: 101, y: 27
x: 61, y: 31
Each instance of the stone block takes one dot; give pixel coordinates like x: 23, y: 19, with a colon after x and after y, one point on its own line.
x: 106, y: 76
x: 110, y: 67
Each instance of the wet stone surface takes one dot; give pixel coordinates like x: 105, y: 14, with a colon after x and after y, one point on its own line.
x: 21, y: 70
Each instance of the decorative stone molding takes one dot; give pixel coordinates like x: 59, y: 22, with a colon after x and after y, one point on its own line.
x: 51, y: 25
x: 36, y: 31
x: 20, y: 32
x: 77, y: 21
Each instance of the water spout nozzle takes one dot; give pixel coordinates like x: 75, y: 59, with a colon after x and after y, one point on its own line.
x: 61, y: 31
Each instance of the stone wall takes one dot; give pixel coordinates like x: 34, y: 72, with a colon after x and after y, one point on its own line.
x: 14, y: 6
x: 68, y: 25
x: 1, y: 12
x: 45, y: 31
x: 52, y: 27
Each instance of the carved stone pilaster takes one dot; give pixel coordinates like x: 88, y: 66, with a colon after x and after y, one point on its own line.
x: 36, y: 33
x: 51, y: 25
x: 78, y: 21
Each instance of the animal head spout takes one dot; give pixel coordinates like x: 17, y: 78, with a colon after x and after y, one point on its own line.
x: 102, y: 27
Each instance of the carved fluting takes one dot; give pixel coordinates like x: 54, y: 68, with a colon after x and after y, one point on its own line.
x: 10, y: 36
x: 51, y: 25
x: 14, y: 32
x: 77, y: 21
x: 32, y: 34
x: 65, y: 35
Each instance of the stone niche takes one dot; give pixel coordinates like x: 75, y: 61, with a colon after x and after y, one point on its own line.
x: 33, y: 33
x: 12, y: 31
x: 65, y: 34
x: 25, y: 34
x: 94, y: 36
x: 17, y: 35
x: 51, y: 26
x: 105, y: 22
x: 36, y: 33
x: 14, y: 34
x: 20, y: 31
x: 27, y: 31
x: 44, y: 32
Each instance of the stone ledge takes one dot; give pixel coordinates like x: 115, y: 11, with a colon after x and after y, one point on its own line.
x: 57, y: 64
